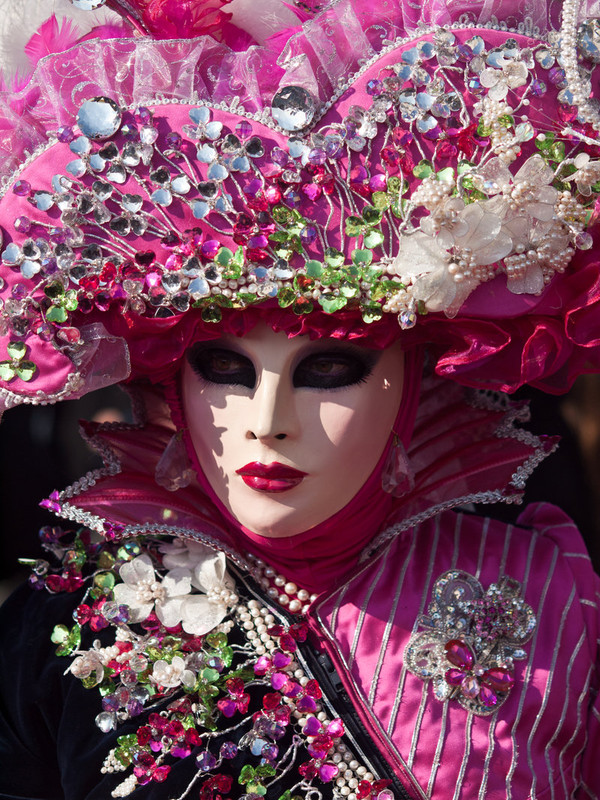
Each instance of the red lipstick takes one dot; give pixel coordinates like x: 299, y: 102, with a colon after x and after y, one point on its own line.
x: 274, y: 477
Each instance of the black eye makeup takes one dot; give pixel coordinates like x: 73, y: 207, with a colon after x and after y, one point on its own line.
x: 324, y: 369
x: 334, y: 369
x: 221, y: 365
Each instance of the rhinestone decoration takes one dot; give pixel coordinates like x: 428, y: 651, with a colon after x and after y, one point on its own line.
x: 478, y: 206
x: 207, y: 674
x: 471, y: 640
x: 293, y: 108
x: 88, y: 5
x: 99, y: 118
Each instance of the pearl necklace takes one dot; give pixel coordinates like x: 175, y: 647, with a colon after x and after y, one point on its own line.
x: 568, y: 34
x: 277, y: 587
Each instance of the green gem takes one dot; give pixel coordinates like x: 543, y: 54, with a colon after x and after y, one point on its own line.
x: 464, y: 166
x: 282, y: 215
x: 372, y: 216
x: 222, y: 301
x: 54, y: 290
x: 314, y: 269
x: 246, y: 774
x: 89, y: 682
x: 26, y: 370
x: 224, y: 256
x: 60, y: 634
x: 373, y: 239
x: 70, y: 300
x: 331, y: 303
x: 398, y: 208
x: 371, y: 312
x: 232, y: 272
x: 302, y: 306
x: 333, y: 257
x: 362, y: 257
x: 7, y: 371
x: 106, y: 560
x: 423, y: 169
x: 279, y: 236
x: 483, y: 129
x: 380, y: 200
x: 544, y: 142
x: 394, y: 185
x: 330, y: 276
x: 216, y: 640
x: 348, y: 289
x: 212, y: 314
x: 209, y: 674
x: 557, y: 152
x: 16, y: 350
x: 354, y: 226
x: 286, y: 296
x: 506, y: 120
x: 56, y: 314
x: 105, y: 581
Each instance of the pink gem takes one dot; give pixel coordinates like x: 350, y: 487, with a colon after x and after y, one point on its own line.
x: 378, y: 183
x: 312, y: 727
x: 227, y: 707
x: 470, y: 687
x: 160, y: 773
x: 454, y: 676
x: 488, y: 697
x: 328, y: 771
x: 312, y: 191
x: 305, y: 704
x: 243, y: 129
x: 278, y: 680
x: 499, y: 678
x: 336, y: 728
x: 446, y: 150
x: 272, y: 195
x: 22, y: 188
x: 262, y: 665
x: 280, y: 659
x: 459, y: 654
x: 70, y: 335
x: 174, y: 261
x: 23, y: 224
x: 567, y: 114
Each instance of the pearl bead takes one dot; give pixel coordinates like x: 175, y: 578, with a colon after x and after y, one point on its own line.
x: 290, y: 588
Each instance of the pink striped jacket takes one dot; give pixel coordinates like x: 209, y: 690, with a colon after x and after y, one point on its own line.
x: 544, y: 740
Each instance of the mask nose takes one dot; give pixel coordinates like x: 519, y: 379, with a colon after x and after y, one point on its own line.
x: 273, y: 413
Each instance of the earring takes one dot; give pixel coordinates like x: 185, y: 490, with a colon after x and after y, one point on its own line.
x: 173, y: 470
x: 398, y: 477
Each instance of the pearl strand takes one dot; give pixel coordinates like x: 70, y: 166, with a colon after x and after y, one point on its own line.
x: 277, y: 586
x: 568, y: 33
x: 255, y: 620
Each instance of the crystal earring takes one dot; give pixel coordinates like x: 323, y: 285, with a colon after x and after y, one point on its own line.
x: 173, y: 470
x: 398, y: 477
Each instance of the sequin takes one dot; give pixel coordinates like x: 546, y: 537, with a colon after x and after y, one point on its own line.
x: 99, y: 118
x: 293, y: 108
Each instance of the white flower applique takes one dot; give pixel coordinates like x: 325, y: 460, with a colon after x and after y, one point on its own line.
x: 143, y: 592
x: 200, y: 613
x: 586, y: 175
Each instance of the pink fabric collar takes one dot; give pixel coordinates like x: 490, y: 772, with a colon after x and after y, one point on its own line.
x: 320, y: 557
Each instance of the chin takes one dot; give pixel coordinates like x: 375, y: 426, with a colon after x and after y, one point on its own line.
x: 272, y: 519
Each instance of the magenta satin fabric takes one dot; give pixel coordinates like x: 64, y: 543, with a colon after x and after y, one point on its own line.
x: 318, y: 558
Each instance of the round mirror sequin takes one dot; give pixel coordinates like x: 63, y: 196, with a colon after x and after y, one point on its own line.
x: 99, y: 118
x: 293, y: 108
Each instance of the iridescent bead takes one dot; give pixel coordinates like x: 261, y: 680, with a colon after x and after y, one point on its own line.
x: 144, y: 115
x: 23, y: 224
x: 308, y: 235
x: 228, y: 750
x: 173, y: 140
x: 317, y: 156
x: 557, y: 76
x: 243, y: 129
x: 22, y: 188
x: 374, y: 87
x: 206, y: 761
x: 65, y: 134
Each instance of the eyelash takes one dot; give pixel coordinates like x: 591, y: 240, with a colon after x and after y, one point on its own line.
x: 355, y: 369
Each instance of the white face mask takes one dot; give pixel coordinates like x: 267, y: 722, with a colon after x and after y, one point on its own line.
x: 288, y: 430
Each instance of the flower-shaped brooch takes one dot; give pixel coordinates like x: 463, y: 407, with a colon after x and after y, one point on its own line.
x: 471, y: 640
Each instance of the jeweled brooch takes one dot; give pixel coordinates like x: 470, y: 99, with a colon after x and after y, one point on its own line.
x: 471, y: 639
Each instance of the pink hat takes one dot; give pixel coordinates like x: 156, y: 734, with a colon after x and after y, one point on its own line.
x: 437, y: 171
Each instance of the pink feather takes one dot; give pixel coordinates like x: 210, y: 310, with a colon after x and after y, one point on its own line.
x: 51, y: 38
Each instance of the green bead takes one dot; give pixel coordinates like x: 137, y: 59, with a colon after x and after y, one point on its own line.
x: 423, y: 169
x: 212, y: 314
x: 372, y: 216
x: 373, y: 239
x: 331, y: 303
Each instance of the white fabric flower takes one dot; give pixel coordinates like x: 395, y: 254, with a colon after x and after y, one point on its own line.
x: 200, y: 613
x: 499, y: 81
x: 429, y: 262
x: 527, y: 192
x: 173, y: 674
x: 86, y: 663
x: 143, y: 592
x: 588, y: 173
x: 184, y: 554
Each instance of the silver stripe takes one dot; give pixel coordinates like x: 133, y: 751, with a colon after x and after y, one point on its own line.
x: 390, y: 622
x: 590, y: 603
x: 565, y: 704
x: 457, y: 530
x: 547, y: 690
x: 583, y: 696
x: 463, y: 766
x: 438, y: 750
x: 424, y: 596
x: 337, y: 606
x: 363, y: 609
x: 488, y: 756
x: 533, y: 644
x: 484, y: 533
x: 425, y: 699
x: 509, y: 530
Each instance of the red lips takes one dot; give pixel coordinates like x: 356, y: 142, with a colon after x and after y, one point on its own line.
x: 274, y: 477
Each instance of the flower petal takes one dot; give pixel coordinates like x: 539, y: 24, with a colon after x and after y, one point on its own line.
x: 200, y: 616
x: 138, y: 570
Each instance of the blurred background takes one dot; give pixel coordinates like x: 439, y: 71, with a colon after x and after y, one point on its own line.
x: 41, y: 450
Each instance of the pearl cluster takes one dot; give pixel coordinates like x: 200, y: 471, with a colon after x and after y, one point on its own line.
x: 578, y: 86
x: 255, y: 620
x: 277, y: 586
